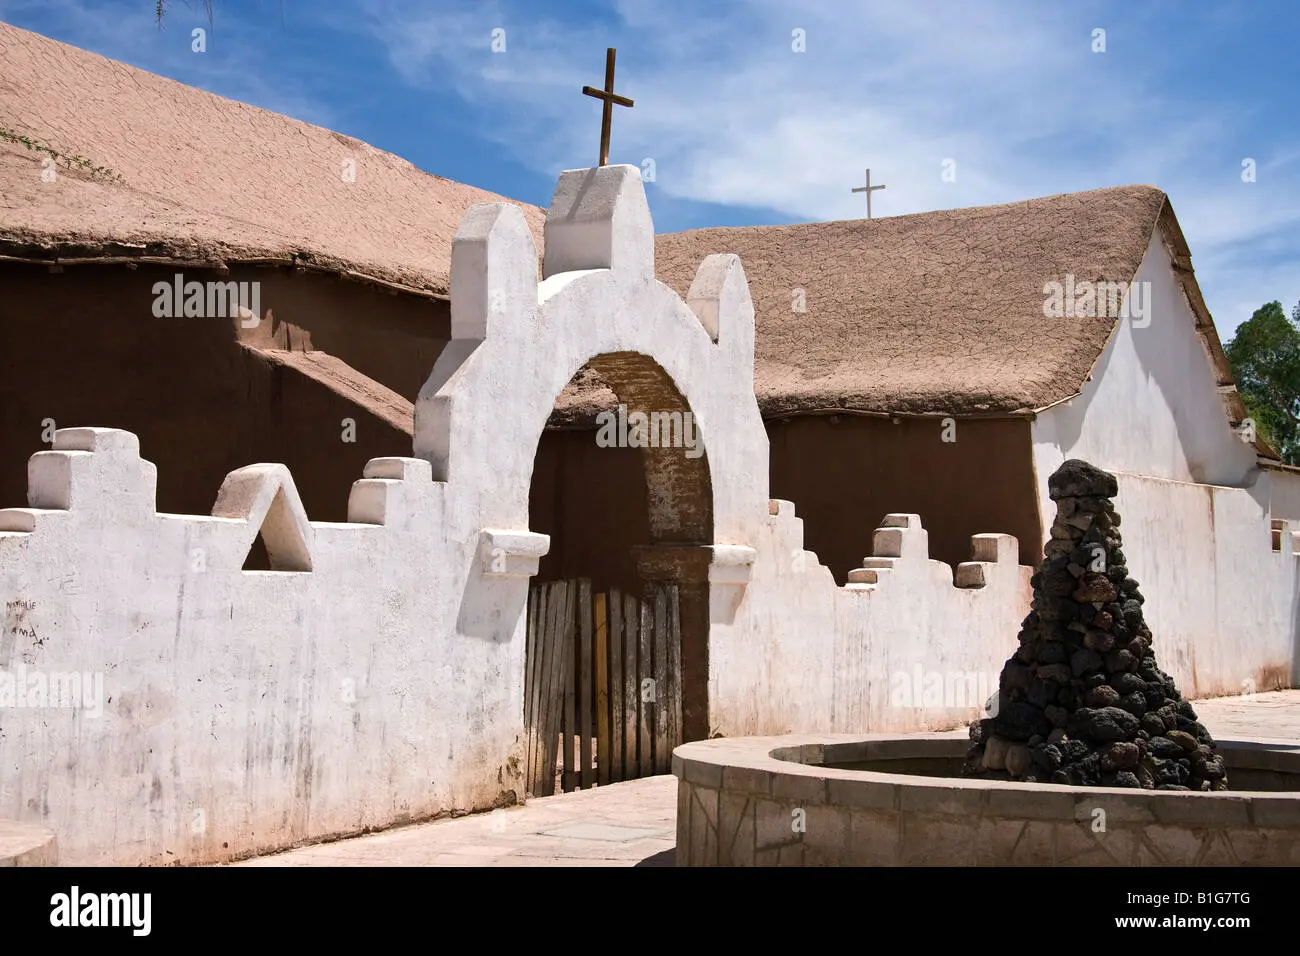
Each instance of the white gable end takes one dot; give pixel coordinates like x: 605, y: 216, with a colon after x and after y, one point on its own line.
x: 1151, y: 406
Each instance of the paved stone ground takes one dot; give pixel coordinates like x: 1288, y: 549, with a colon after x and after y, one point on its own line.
x: 625, y: 824
x: 633, y: 824
x: 1273, y: 717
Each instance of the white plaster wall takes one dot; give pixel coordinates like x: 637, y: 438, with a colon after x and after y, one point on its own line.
x: 805, y: 655
x: 245, y: 711
x: 1151, y: 406
x: 1221, y: 604
x: 224, y: 690
x: 1284, y: 493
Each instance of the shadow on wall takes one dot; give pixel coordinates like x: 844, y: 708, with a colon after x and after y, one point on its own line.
x: 592, y: 502
x: 201, y: 404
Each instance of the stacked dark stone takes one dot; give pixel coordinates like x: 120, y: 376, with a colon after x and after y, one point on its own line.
x: 1083, y: 702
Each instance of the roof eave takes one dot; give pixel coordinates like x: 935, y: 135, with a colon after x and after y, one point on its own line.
x: 116, y: 252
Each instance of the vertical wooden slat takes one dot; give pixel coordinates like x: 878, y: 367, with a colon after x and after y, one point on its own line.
x: 646, y: 693
x: 530, y: 656
x: 541, y: 676
x: 569, y: 640
x: 615, y: 685
x: 571, y: 679
x: 674, y: 669
x: 601, y: 651
x: 631, y: 693
x: 555, y: 693
x: 663, y: 688
x: 541, y: 716
x: 530, y: 688
x: 585, y: 691
x: 541, y: 705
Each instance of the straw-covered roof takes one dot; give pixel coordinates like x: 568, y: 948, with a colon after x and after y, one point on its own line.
x: 191, y: 176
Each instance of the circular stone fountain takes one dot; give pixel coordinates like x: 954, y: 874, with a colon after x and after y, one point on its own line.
x: 1091, y: 757
x: 882, y: 800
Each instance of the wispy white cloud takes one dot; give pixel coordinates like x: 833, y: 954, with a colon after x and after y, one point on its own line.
x: 1011, y: 92
x: 236, y: 61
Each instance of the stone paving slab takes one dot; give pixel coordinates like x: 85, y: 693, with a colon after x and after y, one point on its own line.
x: 27, y: 844
x: 634, y: 823
x: 602, y: 832
x: 618, y: 825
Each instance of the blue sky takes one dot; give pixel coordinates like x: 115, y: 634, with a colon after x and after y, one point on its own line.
x: 743, y: 129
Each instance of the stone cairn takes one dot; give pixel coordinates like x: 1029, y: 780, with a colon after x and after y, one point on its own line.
x: 1083, y: 702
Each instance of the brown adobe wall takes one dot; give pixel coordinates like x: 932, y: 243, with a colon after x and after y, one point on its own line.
x: 592, y: 501
x: 202, y: 405
x: 390, y: 337
x: 843, y: 479
x: 845, y: 475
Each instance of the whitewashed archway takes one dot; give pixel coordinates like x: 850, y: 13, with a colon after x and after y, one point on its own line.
x: 517, y: 342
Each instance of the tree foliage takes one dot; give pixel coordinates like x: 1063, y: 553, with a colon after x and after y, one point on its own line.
x: 1265, y: 360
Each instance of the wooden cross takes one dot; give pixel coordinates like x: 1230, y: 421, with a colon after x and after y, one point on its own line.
x: 609, y: 98
x: 868, y: 189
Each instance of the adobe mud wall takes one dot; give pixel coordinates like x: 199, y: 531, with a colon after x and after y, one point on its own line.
x: 845, y: 473
x: 591, y: 501
x: 200, y: 403
x: 843, y: 476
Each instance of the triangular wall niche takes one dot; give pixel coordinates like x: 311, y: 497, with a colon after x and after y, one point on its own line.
x: 257, y: 559
x: 264, y: 499
x: 279, y: 545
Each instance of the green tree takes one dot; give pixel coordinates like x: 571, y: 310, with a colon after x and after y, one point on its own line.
x: 1265, y: 360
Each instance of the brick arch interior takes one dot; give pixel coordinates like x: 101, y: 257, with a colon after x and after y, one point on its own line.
x: 630, y: 517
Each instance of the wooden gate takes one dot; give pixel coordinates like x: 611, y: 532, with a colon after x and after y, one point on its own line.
x: 602, y: 685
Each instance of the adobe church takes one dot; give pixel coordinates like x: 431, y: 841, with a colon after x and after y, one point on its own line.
x: 881, y: 402
x: 889, y: 373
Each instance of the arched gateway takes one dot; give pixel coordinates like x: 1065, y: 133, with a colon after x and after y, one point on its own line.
x: 517, y: 342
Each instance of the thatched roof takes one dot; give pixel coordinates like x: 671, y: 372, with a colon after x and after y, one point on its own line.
x: 934, y: 313
x: 206, y: 179
x: 928, y: 312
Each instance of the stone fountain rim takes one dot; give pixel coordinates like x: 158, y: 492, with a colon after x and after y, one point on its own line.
x: 750, y: 764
